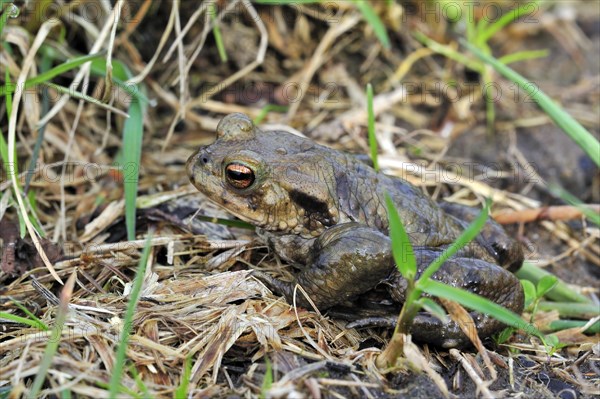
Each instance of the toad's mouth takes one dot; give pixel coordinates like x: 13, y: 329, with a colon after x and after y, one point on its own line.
x: 191, y: 165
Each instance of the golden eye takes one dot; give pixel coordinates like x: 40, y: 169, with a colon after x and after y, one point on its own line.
x: 239, y: 175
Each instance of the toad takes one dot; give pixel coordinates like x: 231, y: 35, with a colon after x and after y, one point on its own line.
x: 324, y: 211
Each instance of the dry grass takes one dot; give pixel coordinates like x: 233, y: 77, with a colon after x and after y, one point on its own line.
x: 199, y: 299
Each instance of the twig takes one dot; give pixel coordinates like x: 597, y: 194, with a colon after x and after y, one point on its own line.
x: 260, y: 56
x: 559, y: 212
x: 134, y: 23
x: 12, y: 127
x: 466, y: 324
x: 203, y: 7
x: 482, y: 386
x: 315, y: 62
x: 163, y: 39
x: 85, y: 68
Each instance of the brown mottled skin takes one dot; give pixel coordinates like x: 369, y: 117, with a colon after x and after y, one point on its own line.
x: 324, y: 210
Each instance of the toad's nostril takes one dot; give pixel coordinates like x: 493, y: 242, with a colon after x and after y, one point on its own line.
x: 204, y: 160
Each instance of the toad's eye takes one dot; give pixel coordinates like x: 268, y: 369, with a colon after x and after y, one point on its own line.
x: 239, y: 175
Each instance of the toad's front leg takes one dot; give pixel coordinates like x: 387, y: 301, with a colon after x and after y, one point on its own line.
x: 346, y: 260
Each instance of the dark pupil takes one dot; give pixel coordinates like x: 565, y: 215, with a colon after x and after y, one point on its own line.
x: 239, y: 176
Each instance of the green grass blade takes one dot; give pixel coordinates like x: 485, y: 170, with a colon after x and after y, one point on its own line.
x: 479, y: 304
x: 23, y: 320
x: 31, y: 200
x: 374, y: 21
x: 282, y: 2
x: 449, y: 52
x: 545, y: 284
x: 122, y: 389
x: 566, y: 122
x: 267, y: 380
x: 120, y: 76
x: 43, y: 325
x: 44, y: 66
x: 8, y: 83
x: 62, y: 68
x: 401, y: 247
x: 134, y: 296
x: 434, y: 308
x: 119, y: 70
x: 212, y: 11
x: 57, y: 70
x: 81, y: 96
x: 266, y: 109
x: 226, y: 222
x: 139, y: 383
x: 505, y: 19
x: 98, y: 68
x: 469, y: 20
x: 560, y: 292
x: 468, y: 235
x: 570, y: 309
x: 54, y: 339
x: 133, y: 131
x: 4, y: 151
x: 11, y: 11
x: 371, y: 127
x: 482, y: 25
x: 22, y: 225
x: 530, y: 292
x: 133, y: 90
x: 558, y: 325
x: 522, y: 56
x: 182, y: 389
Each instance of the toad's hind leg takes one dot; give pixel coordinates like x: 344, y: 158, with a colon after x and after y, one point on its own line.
x: 470, y: 274
x: 347, y: 260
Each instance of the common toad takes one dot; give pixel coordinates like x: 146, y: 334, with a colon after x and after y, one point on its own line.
x: 324, y: 211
